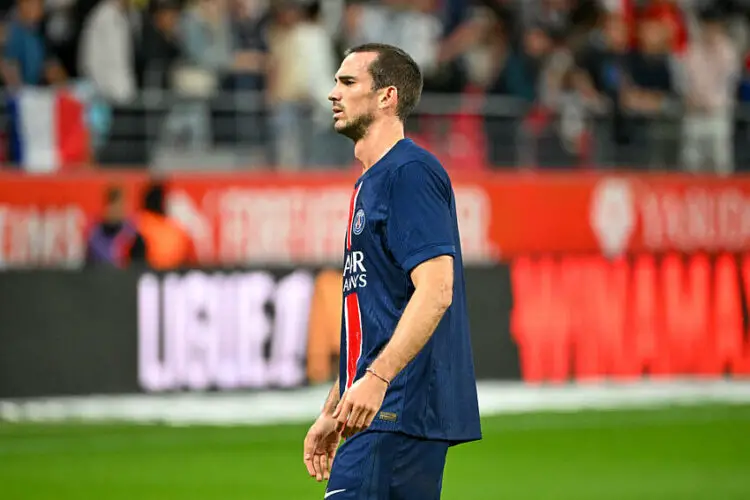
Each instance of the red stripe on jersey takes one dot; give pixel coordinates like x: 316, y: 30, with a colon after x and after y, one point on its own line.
x: 352, y: 204
x: 353, y: 337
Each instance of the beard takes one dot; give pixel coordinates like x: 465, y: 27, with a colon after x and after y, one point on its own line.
x: 356, y: 128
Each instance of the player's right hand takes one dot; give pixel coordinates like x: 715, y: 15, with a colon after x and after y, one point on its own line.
x: 321, y: 443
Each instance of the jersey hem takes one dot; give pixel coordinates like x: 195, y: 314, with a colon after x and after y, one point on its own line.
x: 380, y: 426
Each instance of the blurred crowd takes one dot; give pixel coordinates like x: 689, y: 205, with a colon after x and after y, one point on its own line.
x: 640, y: 83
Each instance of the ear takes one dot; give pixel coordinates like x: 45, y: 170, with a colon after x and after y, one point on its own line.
x: 388, y: 98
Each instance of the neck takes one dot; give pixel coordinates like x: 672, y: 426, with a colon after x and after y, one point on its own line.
x: 380, y: 138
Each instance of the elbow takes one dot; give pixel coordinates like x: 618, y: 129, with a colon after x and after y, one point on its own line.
x: 434, y: 283
x: 444, y: 296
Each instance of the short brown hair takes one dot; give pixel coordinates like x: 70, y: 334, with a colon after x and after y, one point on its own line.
x: 394, y: 67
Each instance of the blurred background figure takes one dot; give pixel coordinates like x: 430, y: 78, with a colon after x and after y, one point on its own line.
x: 602, y: 65
x: 248, y: 114
x: 161, y: 47
x: 302, y: 65
x: 115, y: 240
x: 27, y: 59
x: 712, y: 74
x: 649, y: 91
x: 168, y: 245
x: 411, y: 25
x: 206, y: 38
x: 107, y: 63
x: 107, y: 53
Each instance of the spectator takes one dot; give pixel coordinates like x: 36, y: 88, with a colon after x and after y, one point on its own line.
x: 161, y: 44
x: 207, y: 35
x: 712, y: 70
x: 500, y: 130
x: 647, y: 96
x: 408, y: 24
x: 553, y: 15
x: 744, y: 84
x: 602, y: 63
x: 114, y: 241
x: 249, y: 43
x: 483, y: 56
x: 463, y: 29
x: 60, y: 32
x: 602, y: 68
x: 107, y: 65
x: 210, y: 58
x: 563, y: 110
x: 26, y: 58
x: 525, y: 65
x: 520, y: 77
x: 247, y: 81
x: 649, y: 83
x: 106, y: 52
x: 301, y: 76
x: 552, y: 132
x: 327, y: 147
x: 287, y: 88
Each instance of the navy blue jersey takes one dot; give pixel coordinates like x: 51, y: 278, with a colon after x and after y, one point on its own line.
x: 403, y: 212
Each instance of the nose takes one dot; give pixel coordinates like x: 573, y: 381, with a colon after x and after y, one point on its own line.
x: 334, y: 95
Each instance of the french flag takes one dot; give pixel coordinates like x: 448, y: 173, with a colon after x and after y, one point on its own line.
x: 47, y: 130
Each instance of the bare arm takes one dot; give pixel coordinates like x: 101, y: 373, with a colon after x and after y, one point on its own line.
x: 461, y: 40
x: 10, y: 73
x: 433, y: 281
x: 332, y: 400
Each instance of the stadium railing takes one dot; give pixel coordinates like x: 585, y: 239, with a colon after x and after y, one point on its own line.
x: 238, y: 131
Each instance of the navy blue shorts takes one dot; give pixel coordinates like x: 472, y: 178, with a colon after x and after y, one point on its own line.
x: 375, y: 465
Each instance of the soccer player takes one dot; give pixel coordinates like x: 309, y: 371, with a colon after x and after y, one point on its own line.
x: 406, y: 390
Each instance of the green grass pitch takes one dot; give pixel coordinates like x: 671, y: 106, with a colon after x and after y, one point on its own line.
x: 698, y: 453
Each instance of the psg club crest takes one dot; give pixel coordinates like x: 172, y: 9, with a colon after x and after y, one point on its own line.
x: 358, y: 224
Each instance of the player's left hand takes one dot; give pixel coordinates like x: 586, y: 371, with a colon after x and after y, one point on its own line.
x: 359, y: 405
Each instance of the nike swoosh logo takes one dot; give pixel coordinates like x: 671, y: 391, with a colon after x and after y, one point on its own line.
x: 331, y: 493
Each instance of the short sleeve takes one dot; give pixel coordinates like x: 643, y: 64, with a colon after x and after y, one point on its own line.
x: 419, y: 226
